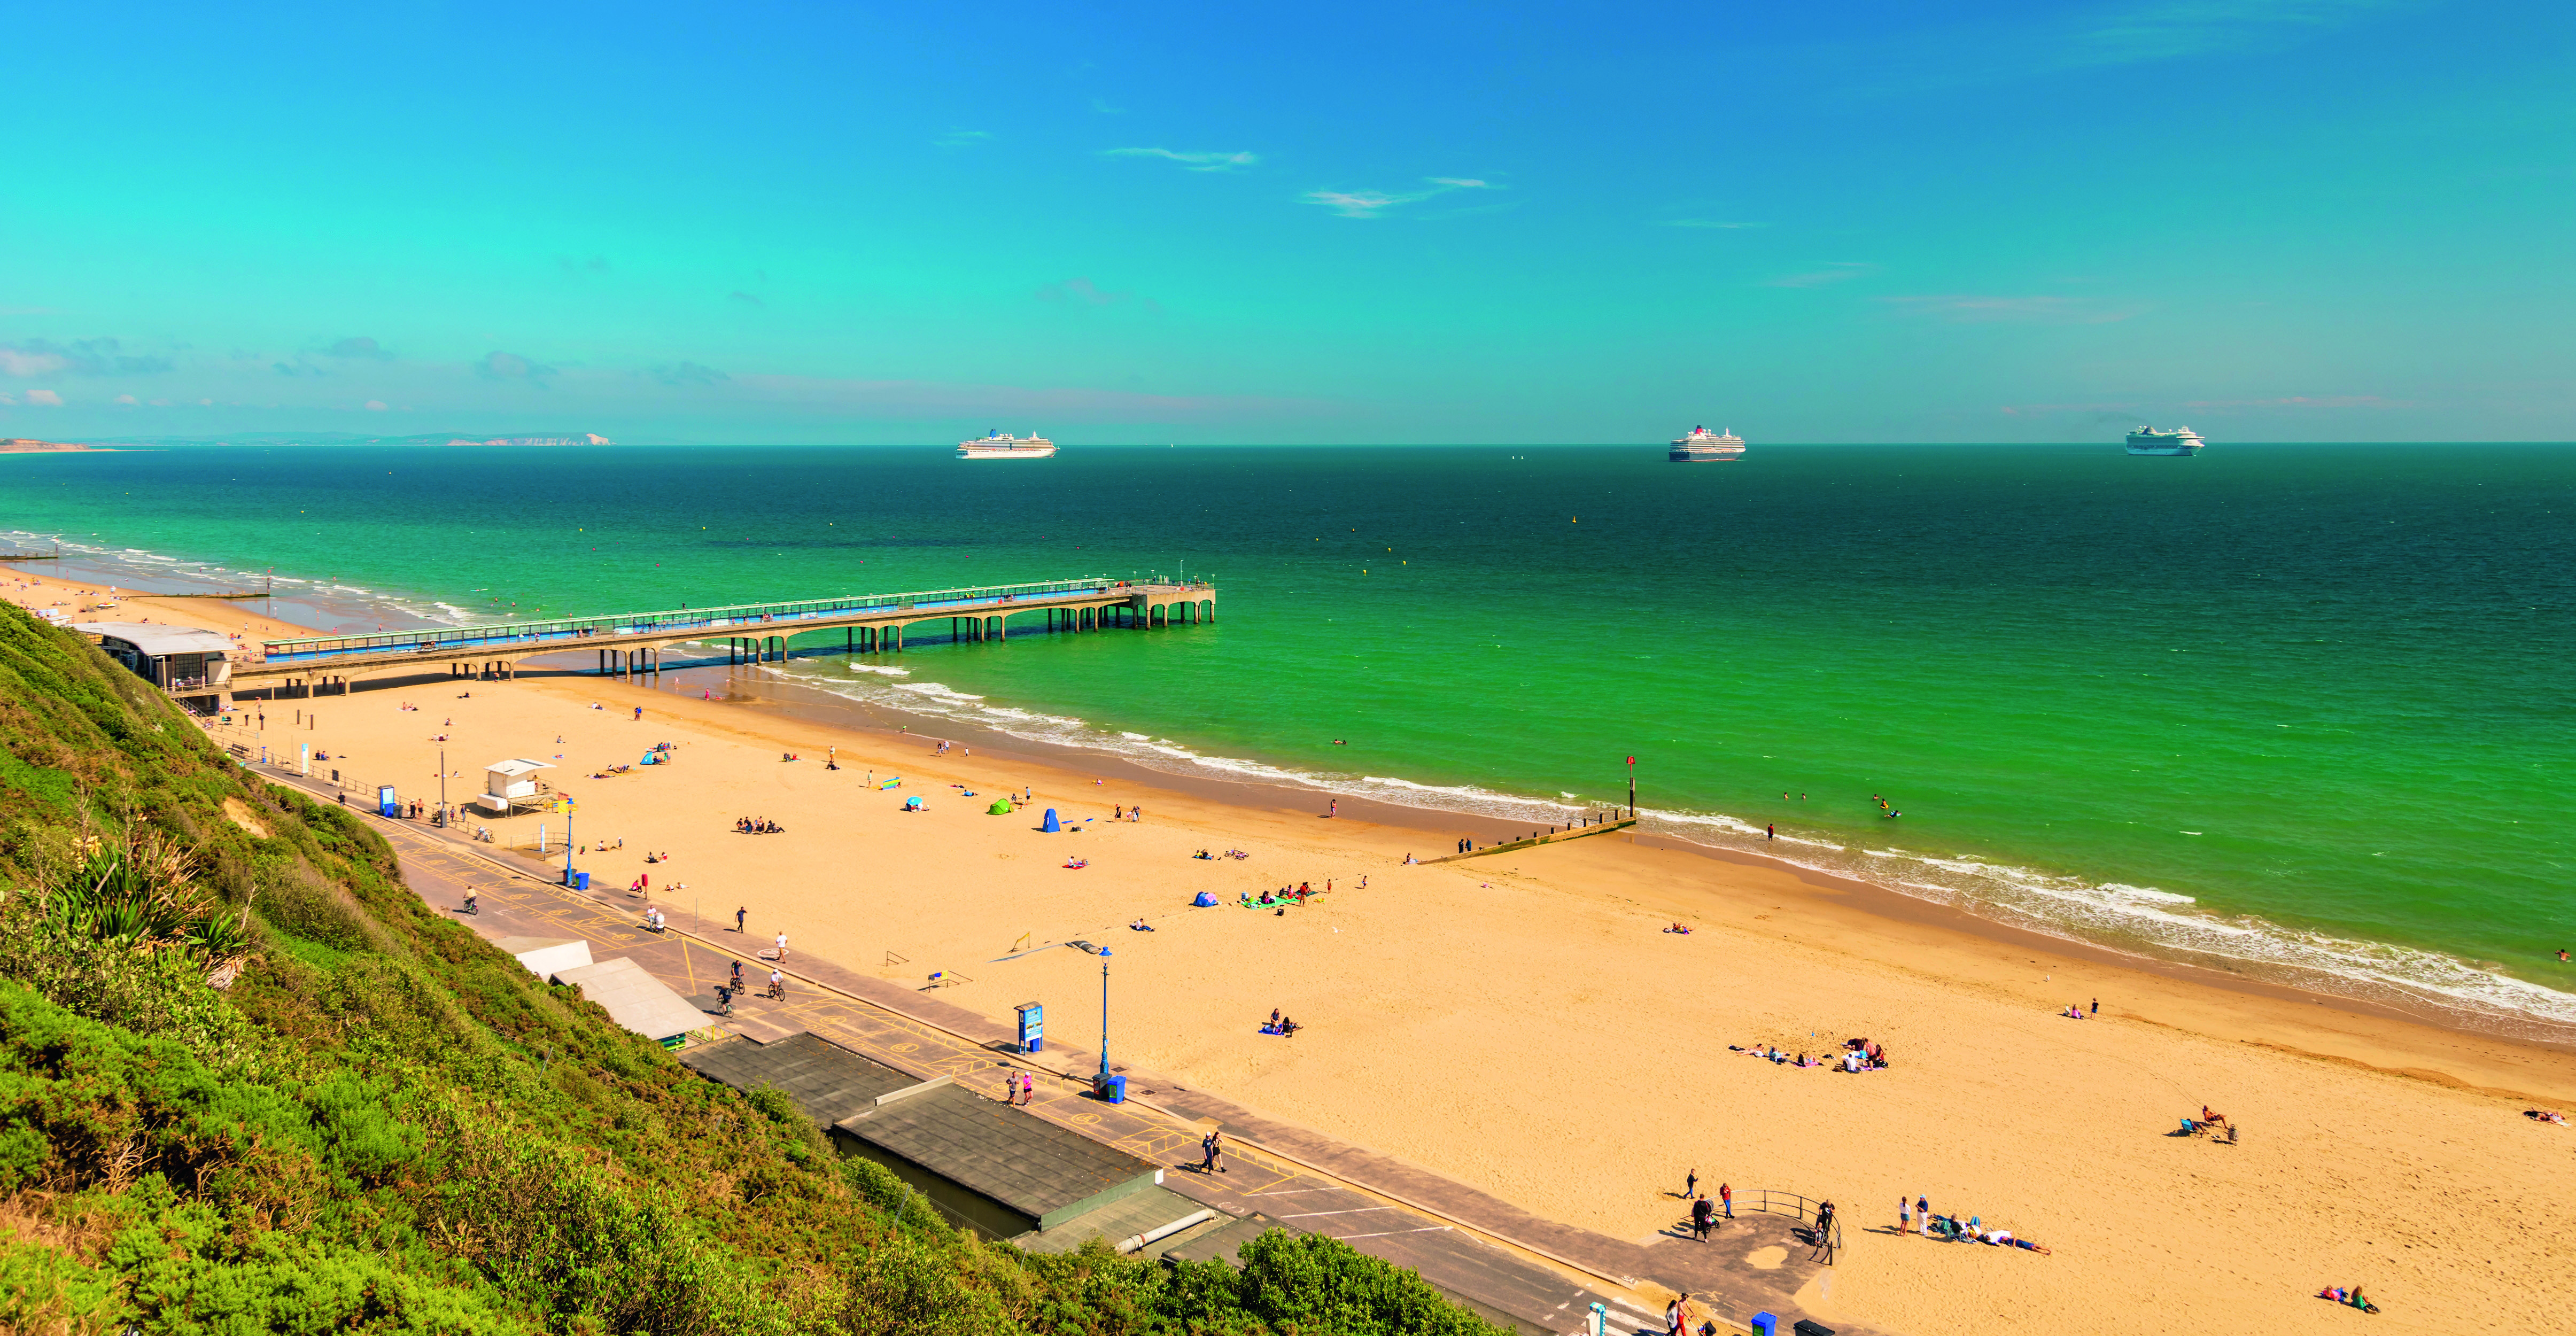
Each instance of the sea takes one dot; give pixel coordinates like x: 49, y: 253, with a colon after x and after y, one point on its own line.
x: 2299, y: 712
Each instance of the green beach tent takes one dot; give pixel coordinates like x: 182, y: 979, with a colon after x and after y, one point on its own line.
x: 1000, y: 807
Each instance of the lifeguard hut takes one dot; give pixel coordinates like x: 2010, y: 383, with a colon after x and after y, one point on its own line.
x: 506, y: 785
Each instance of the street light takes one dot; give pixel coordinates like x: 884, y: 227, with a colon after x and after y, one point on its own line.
x: 1103, y: 1080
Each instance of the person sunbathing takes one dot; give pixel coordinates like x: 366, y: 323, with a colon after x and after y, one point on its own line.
x: 1679, y: 929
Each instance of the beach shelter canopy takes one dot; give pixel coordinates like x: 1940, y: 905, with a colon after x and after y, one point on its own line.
x: 1205, y: 900
x: 634, y: 998
x: 546, y: 955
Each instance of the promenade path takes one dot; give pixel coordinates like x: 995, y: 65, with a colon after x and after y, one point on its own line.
x: 1518, y: 1269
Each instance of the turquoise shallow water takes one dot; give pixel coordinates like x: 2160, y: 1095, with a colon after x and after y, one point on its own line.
x: 2297, y: 709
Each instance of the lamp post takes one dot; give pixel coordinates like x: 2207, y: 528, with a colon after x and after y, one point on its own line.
x: 567, y: 816
x: 1103, y: 1081
x: 442, y: 787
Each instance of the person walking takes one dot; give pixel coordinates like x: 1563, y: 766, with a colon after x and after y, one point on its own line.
x: 1726, y: 1198
x: 1028, y: 1090
x: 739, y: 915
x: 1690, y: 1183
x: 1770, y: 832
x: 1702, y: 1217
x: 782, y: 946
x: 1923, y: 1214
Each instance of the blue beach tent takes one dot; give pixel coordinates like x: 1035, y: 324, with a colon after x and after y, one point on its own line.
x: 1205, y: 900
x: 1051, y: 827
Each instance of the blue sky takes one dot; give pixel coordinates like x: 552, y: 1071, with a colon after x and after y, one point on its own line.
x: 2271, y: 219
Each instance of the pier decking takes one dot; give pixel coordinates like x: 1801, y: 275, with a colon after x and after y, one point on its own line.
x: 631, y: 643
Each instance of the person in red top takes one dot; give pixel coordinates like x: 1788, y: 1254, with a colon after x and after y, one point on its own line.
x: 1726, y: 1198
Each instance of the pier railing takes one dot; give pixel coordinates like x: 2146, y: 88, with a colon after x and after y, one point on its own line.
x: 738, y: 617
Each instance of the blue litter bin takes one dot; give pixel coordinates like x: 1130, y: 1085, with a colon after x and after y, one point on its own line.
x: 1765, y: 1325
x: 579, y: 881
x: 1111, y: 1089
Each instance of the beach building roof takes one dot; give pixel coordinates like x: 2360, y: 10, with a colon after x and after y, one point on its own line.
x: 827, y: 1081
x: 546, y: 955
x: 1038, y: 1174
x: 517, y: 766
x: 634, y: 998
x: 160, y: 640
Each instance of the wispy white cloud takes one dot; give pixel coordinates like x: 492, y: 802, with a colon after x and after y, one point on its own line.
x: 962, y: 138
x: 2177, y: 29
x: 2306, y: 401
x: 1197, y: 162
x: 375, y: 405
x: 2092, y: 412
x: 1838, y: 271
x: 1080, y: 291
x: 36, y: 360
x: 499, y: 365
x: 1967, y: 309
x: 129, y: 401
x: 45, y: 397
x: 1370, y: 203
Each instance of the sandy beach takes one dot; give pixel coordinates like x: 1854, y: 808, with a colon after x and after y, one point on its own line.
x: 1524, y: 1023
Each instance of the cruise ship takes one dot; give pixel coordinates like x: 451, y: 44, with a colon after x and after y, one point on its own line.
x: 996, y: 445
x: 2179, y: 441
x: 1703, y: 446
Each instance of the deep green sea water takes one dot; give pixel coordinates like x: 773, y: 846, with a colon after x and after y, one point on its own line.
x: 2298, y: 709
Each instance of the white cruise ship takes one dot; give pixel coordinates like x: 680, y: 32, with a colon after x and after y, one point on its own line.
x: 1703, y: 446
x: 996, y: 445
x: 2179, y: 441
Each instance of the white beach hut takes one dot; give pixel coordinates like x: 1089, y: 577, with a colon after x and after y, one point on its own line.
x: 507, y: 782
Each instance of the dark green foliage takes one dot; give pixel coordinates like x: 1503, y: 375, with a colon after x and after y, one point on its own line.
x: 381, y: 1124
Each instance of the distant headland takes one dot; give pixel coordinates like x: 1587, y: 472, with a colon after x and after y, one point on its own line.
x: 21, y: 445
x: 438, y: 438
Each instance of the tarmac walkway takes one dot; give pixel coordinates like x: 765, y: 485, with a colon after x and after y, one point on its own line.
x: 1516, y: 1268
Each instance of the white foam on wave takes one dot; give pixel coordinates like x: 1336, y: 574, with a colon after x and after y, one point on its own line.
x: 882, y: 669
x: 2141, y: 920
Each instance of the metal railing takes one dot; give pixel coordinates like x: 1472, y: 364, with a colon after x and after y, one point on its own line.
x: 744, y: 616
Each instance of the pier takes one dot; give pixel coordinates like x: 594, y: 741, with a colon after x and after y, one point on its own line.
x: 631, y: 644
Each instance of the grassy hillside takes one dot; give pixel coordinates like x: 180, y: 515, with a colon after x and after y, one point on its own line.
x: 248, y: 1082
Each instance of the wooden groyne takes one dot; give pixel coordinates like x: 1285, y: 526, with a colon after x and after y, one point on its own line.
x: 1552, y: 835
